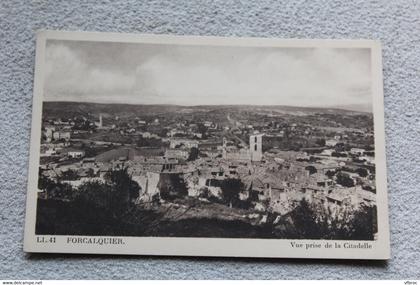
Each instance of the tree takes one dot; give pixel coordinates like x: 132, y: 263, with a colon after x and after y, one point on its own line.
x: 172, y: 186
x: 90, y: 172
x: 84, y: 125
x: 204, y: 193
x: 61, y: 191
x: 304, y: 220
x: 231, y: 188
x: 310, y: 221
x: 339, y: 147
x: 98, y: 195
x: 344, y: 179
x: 193, y: 154
x: 54, y: 190
x: 69, y: 174
x: 311, y: 169
x: 330, y: 173
x: 127, y: 188
x: 43, y: 181
x: 364, y: 223
x: 338, y: 154
x: 320, y: 142
x: 100, y: 203
x: 113, y: 197
x: 202, y: 129
x: 362, y: 172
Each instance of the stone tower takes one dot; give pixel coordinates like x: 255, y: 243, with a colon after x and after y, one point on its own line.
x: 255, y: 147
x: 224, y: 154
x: 100, y: 123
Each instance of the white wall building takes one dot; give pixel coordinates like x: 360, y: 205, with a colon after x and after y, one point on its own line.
x: 255, y: 147
x: 331, y: 142
x: 76, y: 153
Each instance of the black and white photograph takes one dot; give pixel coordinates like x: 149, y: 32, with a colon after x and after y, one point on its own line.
x: 211, y: 139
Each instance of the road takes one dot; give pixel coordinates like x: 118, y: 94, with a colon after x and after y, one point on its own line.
x: 230, y: 133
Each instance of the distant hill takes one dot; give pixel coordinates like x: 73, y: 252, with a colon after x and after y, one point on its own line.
x: 70, y: 109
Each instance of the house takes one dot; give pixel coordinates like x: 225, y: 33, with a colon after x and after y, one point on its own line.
x: 49, y: 130
x: 336, y: 199
x: 331, y: 142
x: 215, y: 187
x: 61, y: 135
x: 366, y: 197
x: 234, y: 153
x: 146, y: 135
x: 324, y: 182
x: 232, y: 170
x: 259, y: 187
x: 327, y: 152
x: 277, y: 194
x: 148, y: 187
x: 208, y: 124
x: 216, y: 172
x: 368, y: 159
x: 176, y: 153
x: 50, y: 151
x: 176, y: 132
x: 357, y: 151
x: 179, y: 143
x: 104, y: 168
x: 82, y: 180
x: 56, y: 135
x: 65, y: 136
x: 75, y: 153
x: 279, y: 160
x: 89, y: 162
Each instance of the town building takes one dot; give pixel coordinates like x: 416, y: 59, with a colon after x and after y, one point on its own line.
x: 75, y: 153
x: 255, y: 147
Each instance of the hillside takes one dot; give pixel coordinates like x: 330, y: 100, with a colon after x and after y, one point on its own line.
x: 71, y: 109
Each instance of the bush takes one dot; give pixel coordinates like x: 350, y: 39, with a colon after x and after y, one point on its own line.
x: 69, y: 175
x: 311, y: 169
x: 54, y: 190
x: 362, y: 172
x: 172, y: 186
x: 344, y: 180
x: 121, y: 181
x: 330, y: 173
x: 309, y: 221
x: 320, y: 142
x: 231, y: 188
x: 193, y: 155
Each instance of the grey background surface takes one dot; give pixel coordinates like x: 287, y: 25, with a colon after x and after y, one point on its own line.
x: 395, y: 23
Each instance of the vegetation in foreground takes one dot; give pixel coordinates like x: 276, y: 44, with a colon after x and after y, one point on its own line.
x: 109, y: 209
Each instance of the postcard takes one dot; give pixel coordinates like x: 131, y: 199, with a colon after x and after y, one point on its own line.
x: 207, y: 146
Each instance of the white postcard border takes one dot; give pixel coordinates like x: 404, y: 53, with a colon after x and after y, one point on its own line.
x: 380, y: 248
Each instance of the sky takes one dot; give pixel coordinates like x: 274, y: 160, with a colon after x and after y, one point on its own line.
x: 138, y: 73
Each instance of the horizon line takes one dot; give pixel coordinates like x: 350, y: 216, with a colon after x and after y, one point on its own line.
x: 180, y: 105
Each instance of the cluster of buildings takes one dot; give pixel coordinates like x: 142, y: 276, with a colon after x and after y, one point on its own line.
x: 274, y: 179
